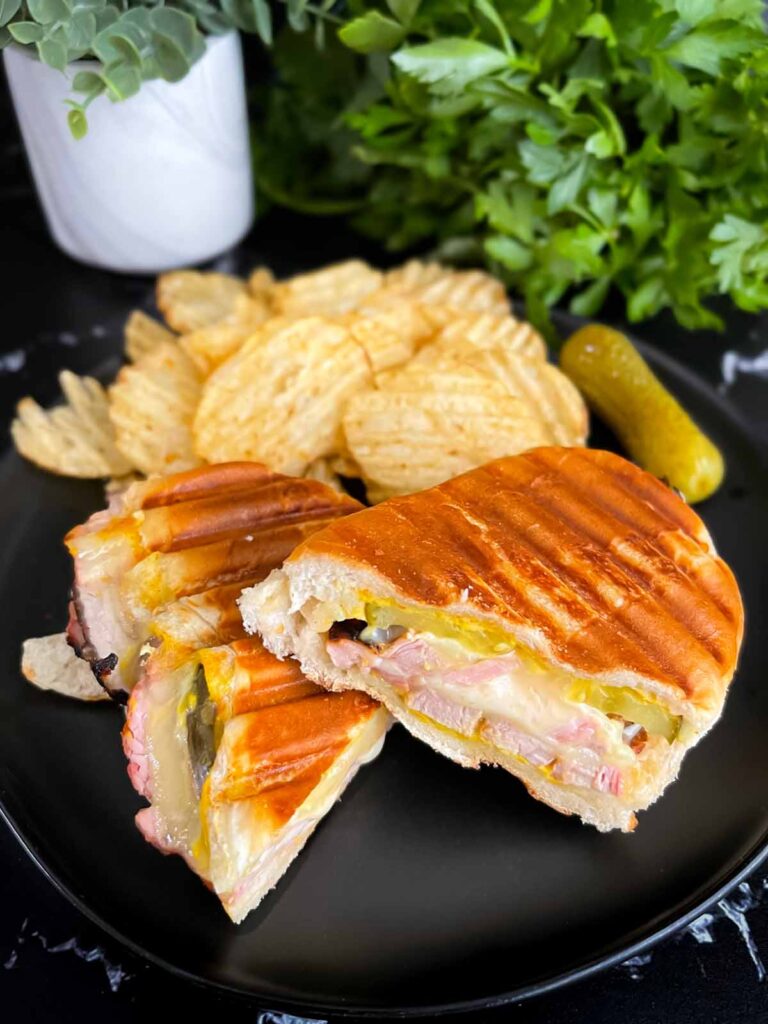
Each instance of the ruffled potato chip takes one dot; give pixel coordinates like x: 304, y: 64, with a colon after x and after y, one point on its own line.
x: 142, y: 333
x: 413, y: 323
x: 426, y: 424
x: 463, y: 333
x: 332, y: 291
x: 382, y: 344
x: 51, y: 664
x: 74, y: 439
x: 261, y: 284
x: 279, y: 400
x: 152, y: 405
x: 550, y: 395
x: 190, y: 299
x: 210, y: 346
x: 342, y: 464
x: 432, y: 284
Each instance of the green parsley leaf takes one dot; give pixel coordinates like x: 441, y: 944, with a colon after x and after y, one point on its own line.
x: 372, y: 33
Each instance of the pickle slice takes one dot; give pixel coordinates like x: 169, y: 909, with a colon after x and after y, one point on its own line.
x: 200, y: 719
x: 651, y: 424
x: 482, y: 638
x: 630, y: 704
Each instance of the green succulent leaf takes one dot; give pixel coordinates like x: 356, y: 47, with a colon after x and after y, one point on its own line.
x: 88, y: 82
x: 250, y: 16
x: 124, y: 38
x: 26, y: 32
x: 45, y: 12
x: 81, y: 31
x: 172, y: 62
x: 78, y: 122
x: 52, y: 53
x: 179, y: 29
x: 105, y: 17
x: 262, y: 17
x: 8, y: 9
x: 121, y: 81
x: 297, y: 15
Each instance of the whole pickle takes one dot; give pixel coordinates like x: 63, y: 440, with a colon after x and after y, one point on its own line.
x: 651, y: 424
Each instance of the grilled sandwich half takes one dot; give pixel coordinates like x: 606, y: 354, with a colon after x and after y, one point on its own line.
x: 184, y: 546
x: 240, y: 757
x: 560, y: 613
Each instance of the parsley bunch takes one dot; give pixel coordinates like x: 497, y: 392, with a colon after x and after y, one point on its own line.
x: 574, y: 145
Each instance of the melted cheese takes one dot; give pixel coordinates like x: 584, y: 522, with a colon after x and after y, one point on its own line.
x: 243, y: 839
x: 477, y: 640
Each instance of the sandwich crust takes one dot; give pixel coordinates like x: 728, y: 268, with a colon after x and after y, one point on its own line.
x: 180, y: 538
x: 599, y: 565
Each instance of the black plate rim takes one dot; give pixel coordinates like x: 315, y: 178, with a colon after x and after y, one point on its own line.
x: 731, y: 880
x: 721, y: 886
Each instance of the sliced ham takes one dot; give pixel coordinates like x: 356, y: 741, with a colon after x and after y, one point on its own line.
x: 607, y: 779
x: 579, y: 732
x: 134, y: 742
x: 420, y: 673
x: 455, y: 716
x: 349, y: 653
x: 505, y: 735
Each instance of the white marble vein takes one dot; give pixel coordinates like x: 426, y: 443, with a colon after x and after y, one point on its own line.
x: 116, y: 974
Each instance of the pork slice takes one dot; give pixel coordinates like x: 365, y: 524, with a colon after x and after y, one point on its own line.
x: 505, y: 734
x: 134, y: 736
x: 458, y: 717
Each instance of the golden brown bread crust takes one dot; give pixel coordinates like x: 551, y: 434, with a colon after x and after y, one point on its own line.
x: 243, y: 677
x: 196, y: 483
x: 615, y: 570
x: 282, y: 732
x: 214, y: 504
x: 178, y: 537
x: 286, y: 744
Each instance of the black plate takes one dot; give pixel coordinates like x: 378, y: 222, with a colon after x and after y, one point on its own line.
x: 429, y: 888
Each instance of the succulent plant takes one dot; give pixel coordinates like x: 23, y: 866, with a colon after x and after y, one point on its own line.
x: 131, y: 42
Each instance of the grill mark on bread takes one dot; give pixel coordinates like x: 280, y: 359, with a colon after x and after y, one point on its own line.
x: 697, y: 619
x: 632, y: 578
x: 520, y: 581
x: 281, y: 744
x: 230, y: 477
x: 643, y: 508
x: 169, y: 539
x: 543, y: 558
x: 218, y: 517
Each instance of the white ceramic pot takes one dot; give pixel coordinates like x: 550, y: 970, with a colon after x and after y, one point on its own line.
x: 160, y: 180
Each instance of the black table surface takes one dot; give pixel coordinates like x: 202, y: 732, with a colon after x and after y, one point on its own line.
x: 55, y: 965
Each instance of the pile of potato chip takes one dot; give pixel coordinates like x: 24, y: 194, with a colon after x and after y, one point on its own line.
x: 401, y: 378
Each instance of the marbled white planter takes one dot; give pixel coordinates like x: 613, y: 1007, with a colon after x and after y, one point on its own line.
x: 160, y: 180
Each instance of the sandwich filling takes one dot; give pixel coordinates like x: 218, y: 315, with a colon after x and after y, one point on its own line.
x: 476, y: 681
x: 240, y: 757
